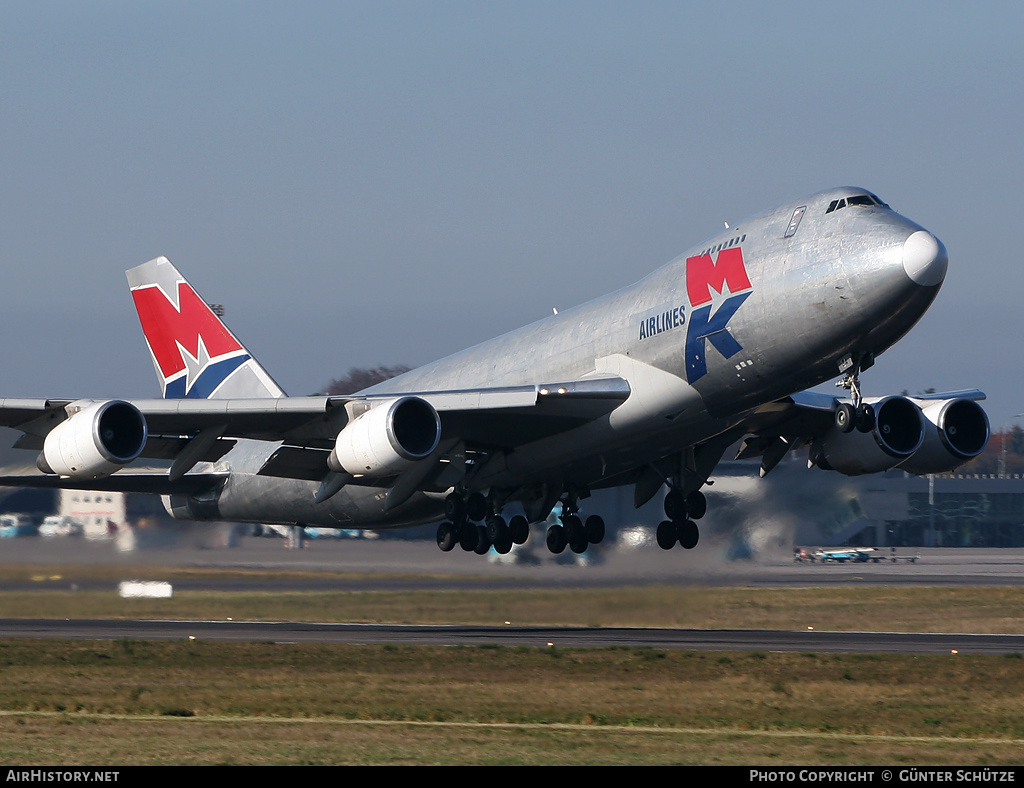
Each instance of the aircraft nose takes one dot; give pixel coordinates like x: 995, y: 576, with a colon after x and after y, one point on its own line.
x: 925, y: 258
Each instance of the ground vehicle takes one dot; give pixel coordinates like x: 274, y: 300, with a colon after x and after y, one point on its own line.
x: 16, y: 524
x: 60, y: 525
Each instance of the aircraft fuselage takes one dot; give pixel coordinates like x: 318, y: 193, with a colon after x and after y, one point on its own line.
x: 764, y: 309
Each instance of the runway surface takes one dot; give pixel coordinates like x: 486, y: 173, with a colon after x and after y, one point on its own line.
x: 358, y: 564
x: 394, y: 563
x: 584, y: 637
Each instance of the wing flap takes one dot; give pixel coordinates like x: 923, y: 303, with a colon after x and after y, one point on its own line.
x: 297, y: 462
x: 259, y: 419
x: 154, y: 481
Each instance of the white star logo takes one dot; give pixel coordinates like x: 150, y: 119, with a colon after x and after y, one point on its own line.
x: 194, y: 365
x: 718, y: 298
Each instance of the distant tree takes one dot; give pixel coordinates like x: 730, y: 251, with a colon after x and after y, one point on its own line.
x: 1005, y: 450
x: 1015, y: 440
x: 359, y: 378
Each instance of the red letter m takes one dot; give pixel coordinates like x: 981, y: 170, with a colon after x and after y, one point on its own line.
x: 167, y: 326
x: 702, y: 274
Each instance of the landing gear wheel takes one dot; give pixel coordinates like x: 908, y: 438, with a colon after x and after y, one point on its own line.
x: 504, y: 546
x: 689, y: 534
x: 476, y: 507
x: 575, y: 533
x: 555, y: 539
x: 675, y: 505
x: 846, y: 417
x: 667, y: 534
x: 483, y: 544
x: 468, y: 537
x: 578, y: 542
x: 519, y: 529
x: 572, y: 525
x: 455, y: 508
x: 447, y: 536
x: 497, y: 530
x: 865, y: 417
x: 696, y: 505
x: 594, y: 528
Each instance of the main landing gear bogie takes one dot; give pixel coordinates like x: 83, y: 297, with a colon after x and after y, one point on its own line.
x: 475, y: 527
x: 574, y: 533
x: 680, y: 527
x: 683, y: 532
x: 471, y: 527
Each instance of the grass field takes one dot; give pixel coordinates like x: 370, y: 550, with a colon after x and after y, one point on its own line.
x: 136, y: 702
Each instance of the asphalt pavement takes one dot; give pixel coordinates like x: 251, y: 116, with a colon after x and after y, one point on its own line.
x: 418, y: 563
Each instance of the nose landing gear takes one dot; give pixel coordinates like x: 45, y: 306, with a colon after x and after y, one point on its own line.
x: 858, y: 414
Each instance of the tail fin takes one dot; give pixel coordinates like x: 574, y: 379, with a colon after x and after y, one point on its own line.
x: 193, y: 352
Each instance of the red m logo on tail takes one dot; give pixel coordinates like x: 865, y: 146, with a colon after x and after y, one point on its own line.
x: 167, y: 326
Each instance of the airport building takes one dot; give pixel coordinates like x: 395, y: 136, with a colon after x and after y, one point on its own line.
x: 892, y: 509
x: 101, y: 514
x: 942, y: 511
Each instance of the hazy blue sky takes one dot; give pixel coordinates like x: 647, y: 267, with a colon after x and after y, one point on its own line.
x: 388, y: 182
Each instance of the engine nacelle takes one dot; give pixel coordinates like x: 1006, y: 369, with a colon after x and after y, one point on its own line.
x: 387, y: 439
x: 955, y: 431
x: 97, y: 439
x: 897, y: 433
x: 201, y: 507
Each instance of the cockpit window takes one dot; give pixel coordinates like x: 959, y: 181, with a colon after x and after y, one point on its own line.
x: 855, y: 199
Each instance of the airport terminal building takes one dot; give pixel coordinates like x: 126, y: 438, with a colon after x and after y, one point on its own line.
x: 942, y: 511
x: 892, y: 509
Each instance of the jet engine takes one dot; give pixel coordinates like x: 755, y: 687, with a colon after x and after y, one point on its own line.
x: 955, y: 431
x: 897, y: 432
x: 97, y: 439
x: 387, y: 438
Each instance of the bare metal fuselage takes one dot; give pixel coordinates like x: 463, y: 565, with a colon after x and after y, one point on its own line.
x: 838, y: 284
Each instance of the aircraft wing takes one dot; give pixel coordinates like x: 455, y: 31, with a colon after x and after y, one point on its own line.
x: 190, y: 431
